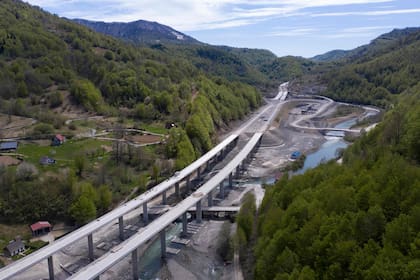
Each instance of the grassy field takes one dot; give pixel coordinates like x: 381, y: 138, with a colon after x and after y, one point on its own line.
x: 154, y: 128
x: 9, y: 232
x: 64, y: 154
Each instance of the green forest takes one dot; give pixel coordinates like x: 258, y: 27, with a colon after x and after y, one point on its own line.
x: 355, y: 220
x: 358, y: 220
x: 379, y: 71
x: 50, y: 65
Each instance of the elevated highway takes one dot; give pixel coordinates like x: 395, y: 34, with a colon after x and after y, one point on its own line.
x: 96, y: 268
x: 258, y: 123
x: 116, y: 214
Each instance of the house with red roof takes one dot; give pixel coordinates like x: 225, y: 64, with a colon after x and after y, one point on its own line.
x: 40, y: 228
x: 58, y: 140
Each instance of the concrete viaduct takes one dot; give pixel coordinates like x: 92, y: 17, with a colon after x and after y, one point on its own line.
x: 159, y: 225
x: 195, y: 168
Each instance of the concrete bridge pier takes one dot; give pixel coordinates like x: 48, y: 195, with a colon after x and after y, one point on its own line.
x: 184, y: 225
x: 145, y: 214
x: 210, y: 199
x: 238, y: 171
x: 121, y: 227
x: 135, y: 264
x: 198, y: 173
x: 199, y: 213
x: 164, y: 199
x: 243, y: 165
x: 188, y: 183
x: 208, y: 165
x: 90, y: 247
x: 222, y: 190
x: 177, y: 189
x: 51, y: 267
x: 231, y: 180
x: 163, y: 244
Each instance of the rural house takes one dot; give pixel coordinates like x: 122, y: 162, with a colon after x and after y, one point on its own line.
x: 57, y: 140
x: 40, y: 228
x: 10, y: 146
x: 14, y: 247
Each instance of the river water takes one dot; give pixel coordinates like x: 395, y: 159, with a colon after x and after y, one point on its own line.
x: 330, y: 149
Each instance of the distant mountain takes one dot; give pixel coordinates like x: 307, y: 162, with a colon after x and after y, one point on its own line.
x: 241, y: 64
x: 383, y: 44
x: 140, y: 32
x: 254, y: 57
x: 330, y: 56
x: 376, y: 73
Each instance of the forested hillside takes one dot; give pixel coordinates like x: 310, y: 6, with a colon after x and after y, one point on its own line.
x: 52, y: 69
x: 360, y: 219
x: 140, y: 32
x: 376, y: 73
x: 234, y: 64
x: 43, y: 57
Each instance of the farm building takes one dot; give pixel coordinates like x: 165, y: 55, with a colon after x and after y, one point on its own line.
x: 14, y: 247
x: 58, y: 140
x: 10, y: 146
x: 40, y: 228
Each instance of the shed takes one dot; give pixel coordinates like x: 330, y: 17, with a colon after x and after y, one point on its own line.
x: 58, y: 140
x: 10, y: 146
x: 14, y: 247
x: 295, y: 155
x: 40, y: 228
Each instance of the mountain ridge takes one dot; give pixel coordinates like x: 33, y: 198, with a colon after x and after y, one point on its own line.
x: 140, y: 31
x: 380, y: 45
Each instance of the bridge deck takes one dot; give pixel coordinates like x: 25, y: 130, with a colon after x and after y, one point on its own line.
x: 117, y: 254
x: 217, y: 209
x: 42, y: 254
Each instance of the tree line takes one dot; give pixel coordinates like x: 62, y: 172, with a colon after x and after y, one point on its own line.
x: 358, y: 220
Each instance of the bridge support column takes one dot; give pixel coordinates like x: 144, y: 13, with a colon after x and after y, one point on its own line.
x: 51, y: 267
x: 90, y: 247
x: 164, y: 200
x: 199, y: 213
x: 208, y: 165
x: 121, y: 227
x: 188, y: 184
x: 238, y: 170
x: 222, y: 189
x: 210, y: 198
x: 135, y: 264
x: 231, y: 180
x: 198, y: 173
x: 177, y: 189
x: 184, y: 224
x: 163, y: 244
x: 145, y: 214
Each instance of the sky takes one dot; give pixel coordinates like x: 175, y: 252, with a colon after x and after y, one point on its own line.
x: 285, y: 27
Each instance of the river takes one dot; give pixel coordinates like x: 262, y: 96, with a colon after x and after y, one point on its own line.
x: 329, y: 150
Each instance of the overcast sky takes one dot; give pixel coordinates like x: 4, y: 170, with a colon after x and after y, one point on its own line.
x: 286, y: 27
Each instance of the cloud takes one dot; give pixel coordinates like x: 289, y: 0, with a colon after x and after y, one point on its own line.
x: 189, y: 15
x: 352, y: 32
x: 293, y: 32
x: 368, y: 13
